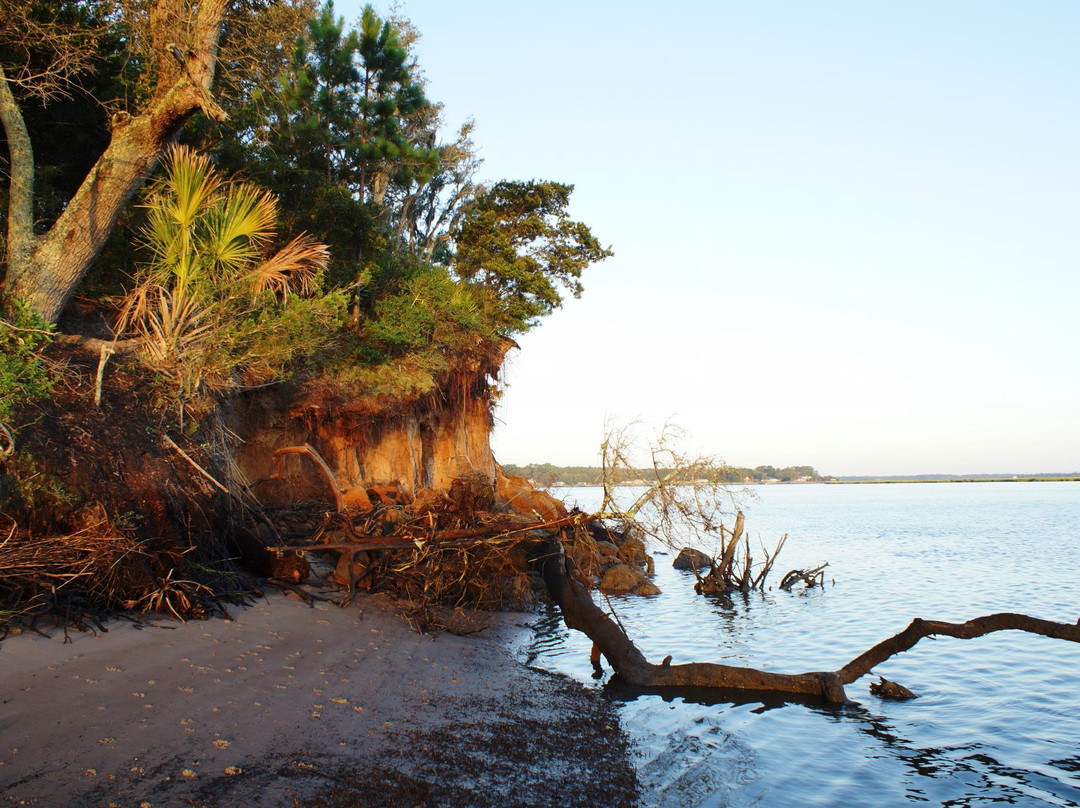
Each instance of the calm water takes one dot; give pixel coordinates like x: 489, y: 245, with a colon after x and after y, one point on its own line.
x: 998, y: 718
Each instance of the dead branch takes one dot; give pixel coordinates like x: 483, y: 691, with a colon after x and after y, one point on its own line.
x: 107, y: 350
x: 725, y: 575
x: 307, y: 449
x: 977, y: 627
x: 812, y: 577
x: 766, y: 568
x: 170, y: 442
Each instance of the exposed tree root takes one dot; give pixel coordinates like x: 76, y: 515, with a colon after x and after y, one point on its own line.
x: 307, y: 449
x: 581, y: 613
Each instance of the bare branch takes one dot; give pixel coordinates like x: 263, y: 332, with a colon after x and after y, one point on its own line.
x: 47, y: 53
x: 977, y: 627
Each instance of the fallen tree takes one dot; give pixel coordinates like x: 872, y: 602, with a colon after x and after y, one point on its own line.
x: 629, y: 663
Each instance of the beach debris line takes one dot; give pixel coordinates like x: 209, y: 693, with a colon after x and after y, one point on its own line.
x: 450, y: 553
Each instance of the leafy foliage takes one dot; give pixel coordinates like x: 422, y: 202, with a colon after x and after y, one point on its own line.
x: 389, y: 97
x: 23, y: 375
x: 427, y: 267
x: 517, y: 242
x: 330, y: 137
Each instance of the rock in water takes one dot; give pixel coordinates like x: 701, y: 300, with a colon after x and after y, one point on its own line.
x: 624, y: 579
x: 689, y: 558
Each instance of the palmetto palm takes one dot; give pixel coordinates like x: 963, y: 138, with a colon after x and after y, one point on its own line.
x: 198, y: 302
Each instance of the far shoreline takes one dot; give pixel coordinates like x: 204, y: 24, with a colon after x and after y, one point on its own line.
x: 887, y: 481
x: 875, y: 481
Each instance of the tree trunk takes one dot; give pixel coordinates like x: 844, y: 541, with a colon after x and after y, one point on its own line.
x: 45, y: 269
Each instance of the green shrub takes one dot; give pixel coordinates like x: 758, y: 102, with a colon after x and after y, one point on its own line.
x: 23, y: 375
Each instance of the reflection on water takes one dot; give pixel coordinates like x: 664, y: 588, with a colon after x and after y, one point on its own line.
x: 996, y: 720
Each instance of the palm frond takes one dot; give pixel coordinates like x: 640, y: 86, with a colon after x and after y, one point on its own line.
x: 293, y: 268
x: 190, y: 183
x: 240, y: 227
x: 197, y: 306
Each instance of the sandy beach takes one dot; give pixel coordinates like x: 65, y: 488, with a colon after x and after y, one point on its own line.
x: 290, y: 704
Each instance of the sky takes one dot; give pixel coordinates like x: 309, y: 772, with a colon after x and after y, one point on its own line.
x: 845, y: 233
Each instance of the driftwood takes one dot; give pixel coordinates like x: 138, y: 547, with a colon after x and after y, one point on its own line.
x: 725, y: 575
x: 977, y: 627
x: 811, y: 578
x: 581, y: 613
x: 890, y: 690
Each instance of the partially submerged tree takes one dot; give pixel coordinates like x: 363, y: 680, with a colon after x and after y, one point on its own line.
x: 581, y: 613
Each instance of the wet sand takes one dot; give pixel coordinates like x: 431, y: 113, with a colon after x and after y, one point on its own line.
x: 289, y: 704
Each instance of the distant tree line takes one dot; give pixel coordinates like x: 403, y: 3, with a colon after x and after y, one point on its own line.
x: 549, y: 474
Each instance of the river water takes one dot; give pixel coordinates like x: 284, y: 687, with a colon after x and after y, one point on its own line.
x: 997, y: 719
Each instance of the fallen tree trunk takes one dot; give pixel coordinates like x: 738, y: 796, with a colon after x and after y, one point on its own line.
x: 581, y: 613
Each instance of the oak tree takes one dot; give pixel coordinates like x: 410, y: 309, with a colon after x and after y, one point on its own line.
x: 518, y: 242
x: 180, y: 43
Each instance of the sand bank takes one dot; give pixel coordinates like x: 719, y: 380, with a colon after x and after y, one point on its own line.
x: 288, y: 704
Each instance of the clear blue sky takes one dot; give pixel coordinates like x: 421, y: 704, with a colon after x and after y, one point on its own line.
x: 845, y: 233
